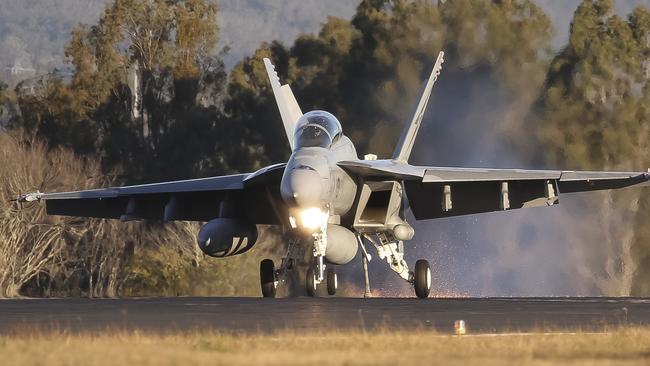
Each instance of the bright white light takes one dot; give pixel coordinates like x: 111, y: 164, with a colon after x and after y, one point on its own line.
x: 312, y: 218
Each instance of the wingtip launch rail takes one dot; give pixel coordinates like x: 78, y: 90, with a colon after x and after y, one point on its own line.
x: 28, y: 197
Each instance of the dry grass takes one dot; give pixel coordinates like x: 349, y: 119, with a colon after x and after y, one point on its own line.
x: 624, y: 346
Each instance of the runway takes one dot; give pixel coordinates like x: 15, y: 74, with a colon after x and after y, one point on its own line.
x: 483, y: 315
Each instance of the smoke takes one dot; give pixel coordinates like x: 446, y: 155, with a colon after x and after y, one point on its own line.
x: 578, y: 248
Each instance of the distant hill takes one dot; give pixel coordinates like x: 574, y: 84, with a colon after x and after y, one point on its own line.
x: 33, y: 32
x: 245, y: 24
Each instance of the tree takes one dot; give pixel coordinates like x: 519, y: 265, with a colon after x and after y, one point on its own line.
x: 594, y: 115
x: 142, y: 95
x: 33, y: 245
x: 369, y: 71
x: 8, y: 107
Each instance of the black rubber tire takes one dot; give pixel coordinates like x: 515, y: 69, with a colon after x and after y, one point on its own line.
x: 310, y: 283
x: 422, y: 279
x: 267, y: 278
x: 332, y: 281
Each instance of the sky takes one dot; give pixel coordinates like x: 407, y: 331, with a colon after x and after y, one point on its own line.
x: 34, y: 32
x: 245, y: 24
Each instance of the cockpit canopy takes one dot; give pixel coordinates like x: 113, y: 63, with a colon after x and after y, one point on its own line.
x: 316, y: 129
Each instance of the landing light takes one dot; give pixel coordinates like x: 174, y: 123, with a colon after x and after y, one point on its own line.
x: 312, y: 218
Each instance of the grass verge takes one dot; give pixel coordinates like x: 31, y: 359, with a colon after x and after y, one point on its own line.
x: 629, y: 346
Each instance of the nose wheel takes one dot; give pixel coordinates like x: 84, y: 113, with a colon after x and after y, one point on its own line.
x: 422, y: 279
x: 331, y: 281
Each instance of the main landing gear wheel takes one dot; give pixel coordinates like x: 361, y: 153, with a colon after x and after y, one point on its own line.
x: 267, y: 278
x: 310, y: 283
x: 332, y: 281
x: 422, y: 279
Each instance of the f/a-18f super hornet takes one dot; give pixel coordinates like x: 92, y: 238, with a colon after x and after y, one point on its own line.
x: 339, y: 202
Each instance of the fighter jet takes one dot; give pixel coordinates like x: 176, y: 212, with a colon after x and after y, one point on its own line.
x: 326, y: 194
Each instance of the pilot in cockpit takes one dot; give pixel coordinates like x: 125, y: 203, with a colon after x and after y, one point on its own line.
x: 317, y: 129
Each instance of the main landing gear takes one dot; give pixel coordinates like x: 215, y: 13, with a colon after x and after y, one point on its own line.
x: 422, y: 279
x: 270, y: 277
x: 392, y: 252
x: 267, y: 278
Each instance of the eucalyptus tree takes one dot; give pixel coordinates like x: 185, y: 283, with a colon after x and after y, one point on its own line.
x: 595, y: 115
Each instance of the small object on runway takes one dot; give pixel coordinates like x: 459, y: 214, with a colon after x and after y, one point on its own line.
x: 459, y: 327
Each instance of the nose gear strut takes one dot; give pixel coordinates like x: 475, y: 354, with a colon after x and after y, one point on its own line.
x: 316, y: 276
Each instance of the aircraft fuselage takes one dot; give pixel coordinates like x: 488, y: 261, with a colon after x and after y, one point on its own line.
x: 312, y: 179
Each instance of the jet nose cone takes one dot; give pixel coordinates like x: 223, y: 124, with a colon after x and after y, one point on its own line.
x: 302, y: 187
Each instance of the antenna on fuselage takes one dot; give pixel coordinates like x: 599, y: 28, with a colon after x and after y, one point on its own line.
x: 406, y: 141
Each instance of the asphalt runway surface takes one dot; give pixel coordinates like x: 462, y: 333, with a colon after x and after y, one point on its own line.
x: 482, y: 315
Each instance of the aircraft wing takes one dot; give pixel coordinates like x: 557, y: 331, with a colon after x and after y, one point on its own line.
x: 435, y: 192
x: 254, y: 196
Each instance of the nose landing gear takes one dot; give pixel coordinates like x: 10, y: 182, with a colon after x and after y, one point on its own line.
x: 331, y: 282
x: 318, y: 273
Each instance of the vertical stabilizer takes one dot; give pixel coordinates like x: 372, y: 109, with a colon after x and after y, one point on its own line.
x: 406, y: 141
x: 287, y: 104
